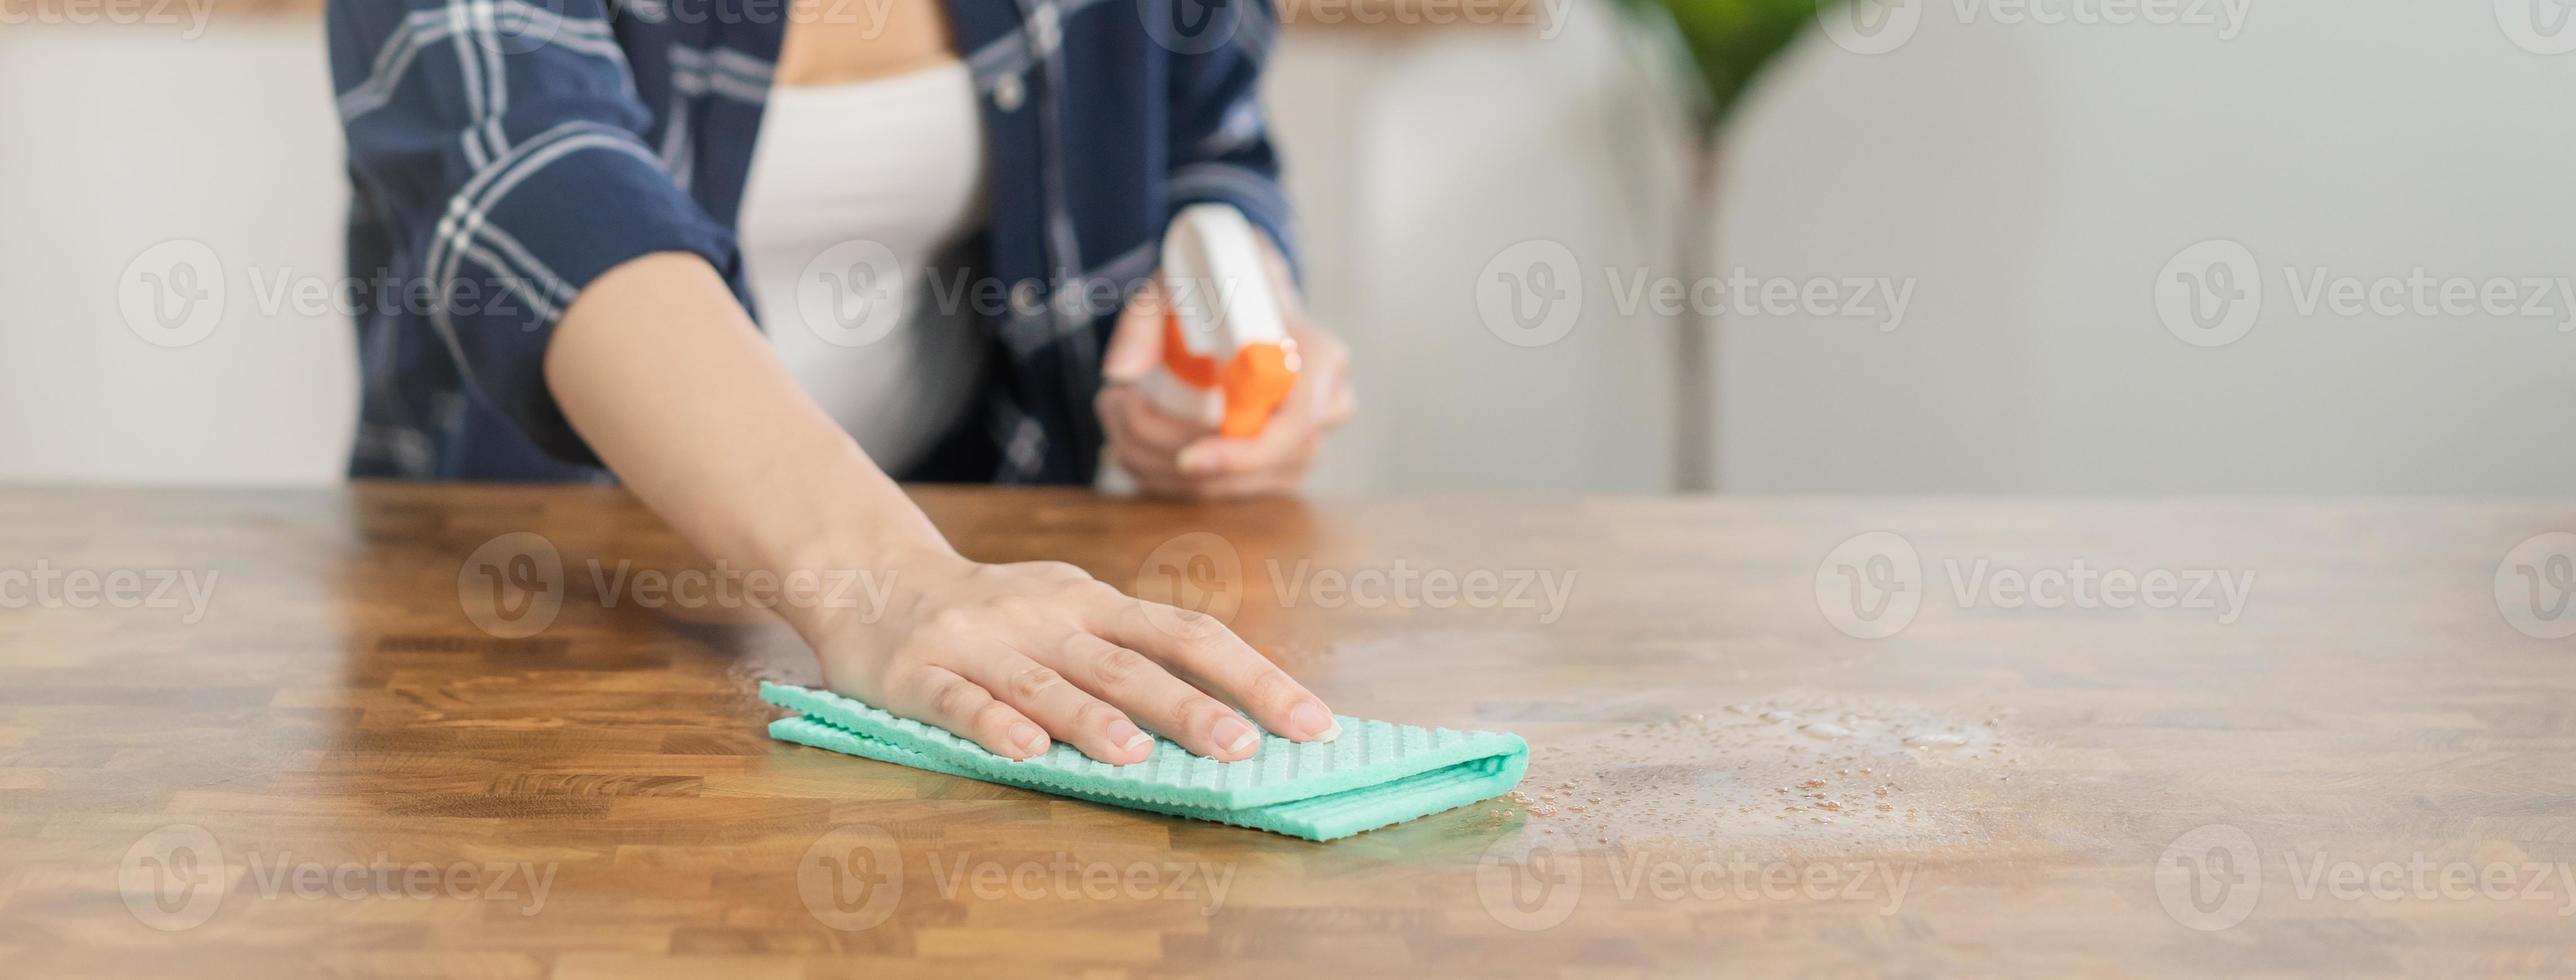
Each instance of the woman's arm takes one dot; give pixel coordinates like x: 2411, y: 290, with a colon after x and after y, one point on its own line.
x: 662, y: 373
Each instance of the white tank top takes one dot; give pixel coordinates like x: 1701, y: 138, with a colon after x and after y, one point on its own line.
x: 859, y: 196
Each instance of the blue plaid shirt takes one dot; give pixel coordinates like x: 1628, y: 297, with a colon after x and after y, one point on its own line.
x: 506, y: 152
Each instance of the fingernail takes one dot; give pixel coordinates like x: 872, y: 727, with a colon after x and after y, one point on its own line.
x: 1028, y: 737
x: 1235, y: 734
x: 1195, y: 460
x: 1318, y: 725
x: 1128, y: 736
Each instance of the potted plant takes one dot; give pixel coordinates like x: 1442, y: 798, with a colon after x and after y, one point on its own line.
x: 1727, y: 44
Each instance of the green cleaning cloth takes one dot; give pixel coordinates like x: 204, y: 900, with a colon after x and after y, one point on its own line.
x: 1375, y: 774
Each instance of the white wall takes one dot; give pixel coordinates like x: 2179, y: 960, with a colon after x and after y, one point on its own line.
x: 2035, y: 180
x: 115, y: 140
x: 1415, y: 159
x: 1419, y: 156
x: 2030, y: 181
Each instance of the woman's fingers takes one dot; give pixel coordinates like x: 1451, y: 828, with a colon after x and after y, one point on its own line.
x: 1066, y: 711
x: 1286, y: 446
x: 1136, y: 341
x: 936, y: 695
x: 1152, y: 465
x: 1126, y: 407
x: 1213, y: 461
x: 1164, y: 703
x: 1018, y: 657
x: 1196, y: 644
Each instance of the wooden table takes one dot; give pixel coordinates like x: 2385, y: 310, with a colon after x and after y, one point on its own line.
x: 329, y: 768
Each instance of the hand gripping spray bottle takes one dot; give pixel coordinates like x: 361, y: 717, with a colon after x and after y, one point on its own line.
x: 1227, y: 360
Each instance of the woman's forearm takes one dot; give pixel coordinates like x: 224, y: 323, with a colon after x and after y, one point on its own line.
x: 666, y: 377
x: 657, y: 367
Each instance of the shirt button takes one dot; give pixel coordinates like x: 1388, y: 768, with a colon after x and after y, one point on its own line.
x: 1025, y: 300
x: 1008, y: 93
x: 1046, y: 31
x: 1074, y: 303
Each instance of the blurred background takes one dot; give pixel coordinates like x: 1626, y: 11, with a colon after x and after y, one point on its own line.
x: 1897, y: 246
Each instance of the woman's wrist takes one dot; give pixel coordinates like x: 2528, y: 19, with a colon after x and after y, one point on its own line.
x: 661, y: 370
x: 863, y: 529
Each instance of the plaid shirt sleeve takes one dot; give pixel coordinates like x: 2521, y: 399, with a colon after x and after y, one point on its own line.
x: 503, y: 144
x: 1221, y: 150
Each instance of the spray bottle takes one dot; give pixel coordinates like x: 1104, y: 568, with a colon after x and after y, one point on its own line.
x: 1227, y: 359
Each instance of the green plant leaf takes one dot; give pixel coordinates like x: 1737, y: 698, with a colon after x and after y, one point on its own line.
x: 1730, y: 41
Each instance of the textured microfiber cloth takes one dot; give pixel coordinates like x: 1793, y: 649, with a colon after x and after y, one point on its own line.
x: 1375, y: 774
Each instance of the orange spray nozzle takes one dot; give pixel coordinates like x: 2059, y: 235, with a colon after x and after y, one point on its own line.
x: 1252, y: 383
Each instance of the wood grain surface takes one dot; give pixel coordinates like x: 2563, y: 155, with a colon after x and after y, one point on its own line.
x: 384, y: 737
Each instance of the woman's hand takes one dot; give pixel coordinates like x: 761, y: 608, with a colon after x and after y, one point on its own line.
x: 1186, y: 459
x: 661, y: 372
x: 1015, y: 657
